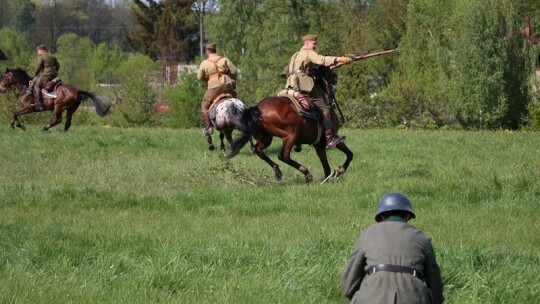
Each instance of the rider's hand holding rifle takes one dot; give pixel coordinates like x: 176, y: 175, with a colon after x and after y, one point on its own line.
x: 341, y: 62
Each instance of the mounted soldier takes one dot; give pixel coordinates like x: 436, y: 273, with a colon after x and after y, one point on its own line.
x: 46, y: 71
x: 300, y: 79
x: 219, y: 73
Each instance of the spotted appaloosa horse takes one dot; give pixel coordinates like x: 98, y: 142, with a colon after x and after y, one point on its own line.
x: 224, y: 115
x: 277, y: 117
x: 68, y: 98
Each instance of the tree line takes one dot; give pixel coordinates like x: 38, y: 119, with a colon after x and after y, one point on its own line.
x: 461, y: 64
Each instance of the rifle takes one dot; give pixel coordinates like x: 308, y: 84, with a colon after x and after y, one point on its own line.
x: 365, y: 56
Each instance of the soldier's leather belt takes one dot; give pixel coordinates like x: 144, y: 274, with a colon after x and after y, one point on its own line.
x: 394, y: 268
x: 216, y: 74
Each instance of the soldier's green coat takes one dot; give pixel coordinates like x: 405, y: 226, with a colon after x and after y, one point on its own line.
x: 395, y: 243
x: 47, y: 65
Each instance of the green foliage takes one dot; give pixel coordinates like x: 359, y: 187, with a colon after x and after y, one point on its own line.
x: 165, y: 29
x: 184, y: 102
x: 15, y: 48
x: 137, y: 106
x: 74, y: 55
x: 104, y: 63
x: 22, y: 18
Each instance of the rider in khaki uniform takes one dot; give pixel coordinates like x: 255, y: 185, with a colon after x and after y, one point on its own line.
x: 393, y: 262
x: 300, y: 79
x: 46, y: 70
x: 219, y: 73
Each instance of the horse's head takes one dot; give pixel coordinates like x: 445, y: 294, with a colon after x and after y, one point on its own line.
x: 13, y: 77
x: 6, y: 81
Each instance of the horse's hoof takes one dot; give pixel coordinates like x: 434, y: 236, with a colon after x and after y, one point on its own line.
x: 211, y: 147
x: 309, y: 178
x: 23, y: 128
x: 297, y: 148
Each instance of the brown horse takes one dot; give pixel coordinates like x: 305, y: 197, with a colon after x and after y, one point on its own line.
x: 68, y: 98
x: 277, y: 116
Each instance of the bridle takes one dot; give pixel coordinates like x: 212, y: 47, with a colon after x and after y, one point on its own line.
x: 7, y: 79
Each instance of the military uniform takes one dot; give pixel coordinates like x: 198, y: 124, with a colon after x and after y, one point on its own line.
x: 219, y: 73
x: 46, y: 70
x: 393, y: 244
x: 300, y: 79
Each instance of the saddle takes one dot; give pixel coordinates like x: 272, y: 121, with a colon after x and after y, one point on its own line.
x: 302, y: 104
x: 49, y: 89
x: 215, y: 102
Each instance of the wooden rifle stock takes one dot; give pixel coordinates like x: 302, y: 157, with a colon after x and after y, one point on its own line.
x: 365, y: 56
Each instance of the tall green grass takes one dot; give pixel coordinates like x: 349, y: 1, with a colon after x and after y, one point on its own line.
x: 106, y: 215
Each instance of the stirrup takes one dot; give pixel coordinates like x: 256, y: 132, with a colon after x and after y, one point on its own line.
x: 334, y: 142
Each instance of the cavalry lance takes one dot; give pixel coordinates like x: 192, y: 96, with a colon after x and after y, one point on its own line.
x: 365, y: 56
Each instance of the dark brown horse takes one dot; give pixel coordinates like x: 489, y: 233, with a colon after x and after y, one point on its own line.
x: 68, y: 98
x: 277, y: 116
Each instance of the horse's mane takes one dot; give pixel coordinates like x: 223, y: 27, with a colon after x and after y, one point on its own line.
x: 19, y: 75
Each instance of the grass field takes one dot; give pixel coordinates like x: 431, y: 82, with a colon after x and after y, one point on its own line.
x: 106, y: 215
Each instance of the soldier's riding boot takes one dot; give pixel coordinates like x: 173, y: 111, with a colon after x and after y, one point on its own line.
x: 332, y: 140
x: 207, y: 124
x: 39, y: 97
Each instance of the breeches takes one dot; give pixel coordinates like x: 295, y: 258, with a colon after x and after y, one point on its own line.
x: 211, y: 94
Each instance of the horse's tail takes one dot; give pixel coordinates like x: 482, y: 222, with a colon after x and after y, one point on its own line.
x: 248, y: 124
x: 101, y: 108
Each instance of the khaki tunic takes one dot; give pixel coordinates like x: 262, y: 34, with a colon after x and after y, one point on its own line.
x: 302, y: 60
x: 218, y: 72
x: 395, y: 243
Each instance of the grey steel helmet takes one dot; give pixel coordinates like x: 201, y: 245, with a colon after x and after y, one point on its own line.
x: 394, y: 201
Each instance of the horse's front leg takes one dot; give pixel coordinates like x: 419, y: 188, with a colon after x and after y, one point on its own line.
x: 15, y: 120
x: 320, y: 148
x: 349, y: 154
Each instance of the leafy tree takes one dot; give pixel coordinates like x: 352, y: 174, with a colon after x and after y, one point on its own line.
x: 165, y: 29
x: 74, y: 54
x: 15, y: 49
x: 184, y: 101
x: 138, y: 98
x: 104, y: 62
x: 22, y: 18
x: 480, y: 81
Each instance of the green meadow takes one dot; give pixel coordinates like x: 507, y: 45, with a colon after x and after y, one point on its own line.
x: 109, y: 215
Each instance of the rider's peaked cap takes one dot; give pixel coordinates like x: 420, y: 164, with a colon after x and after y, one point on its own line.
x: 211, y: 46
x: 41, y: 47
x: 394, y: 201
x: 309, y: 37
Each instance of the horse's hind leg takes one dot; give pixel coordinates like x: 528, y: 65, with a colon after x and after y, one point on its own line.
x: 56, y: 120
x: 210, y: 144
x: 285, y: 156
x: 227, y: 134
x: 258, y: 149
x: 69, y: 115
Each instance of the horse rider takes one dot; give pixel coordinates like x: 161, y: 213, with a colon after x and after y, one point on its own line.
x: 392, y: 261
x: 219, y: 73
x: 46, y: 71
x: 299, y: 78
